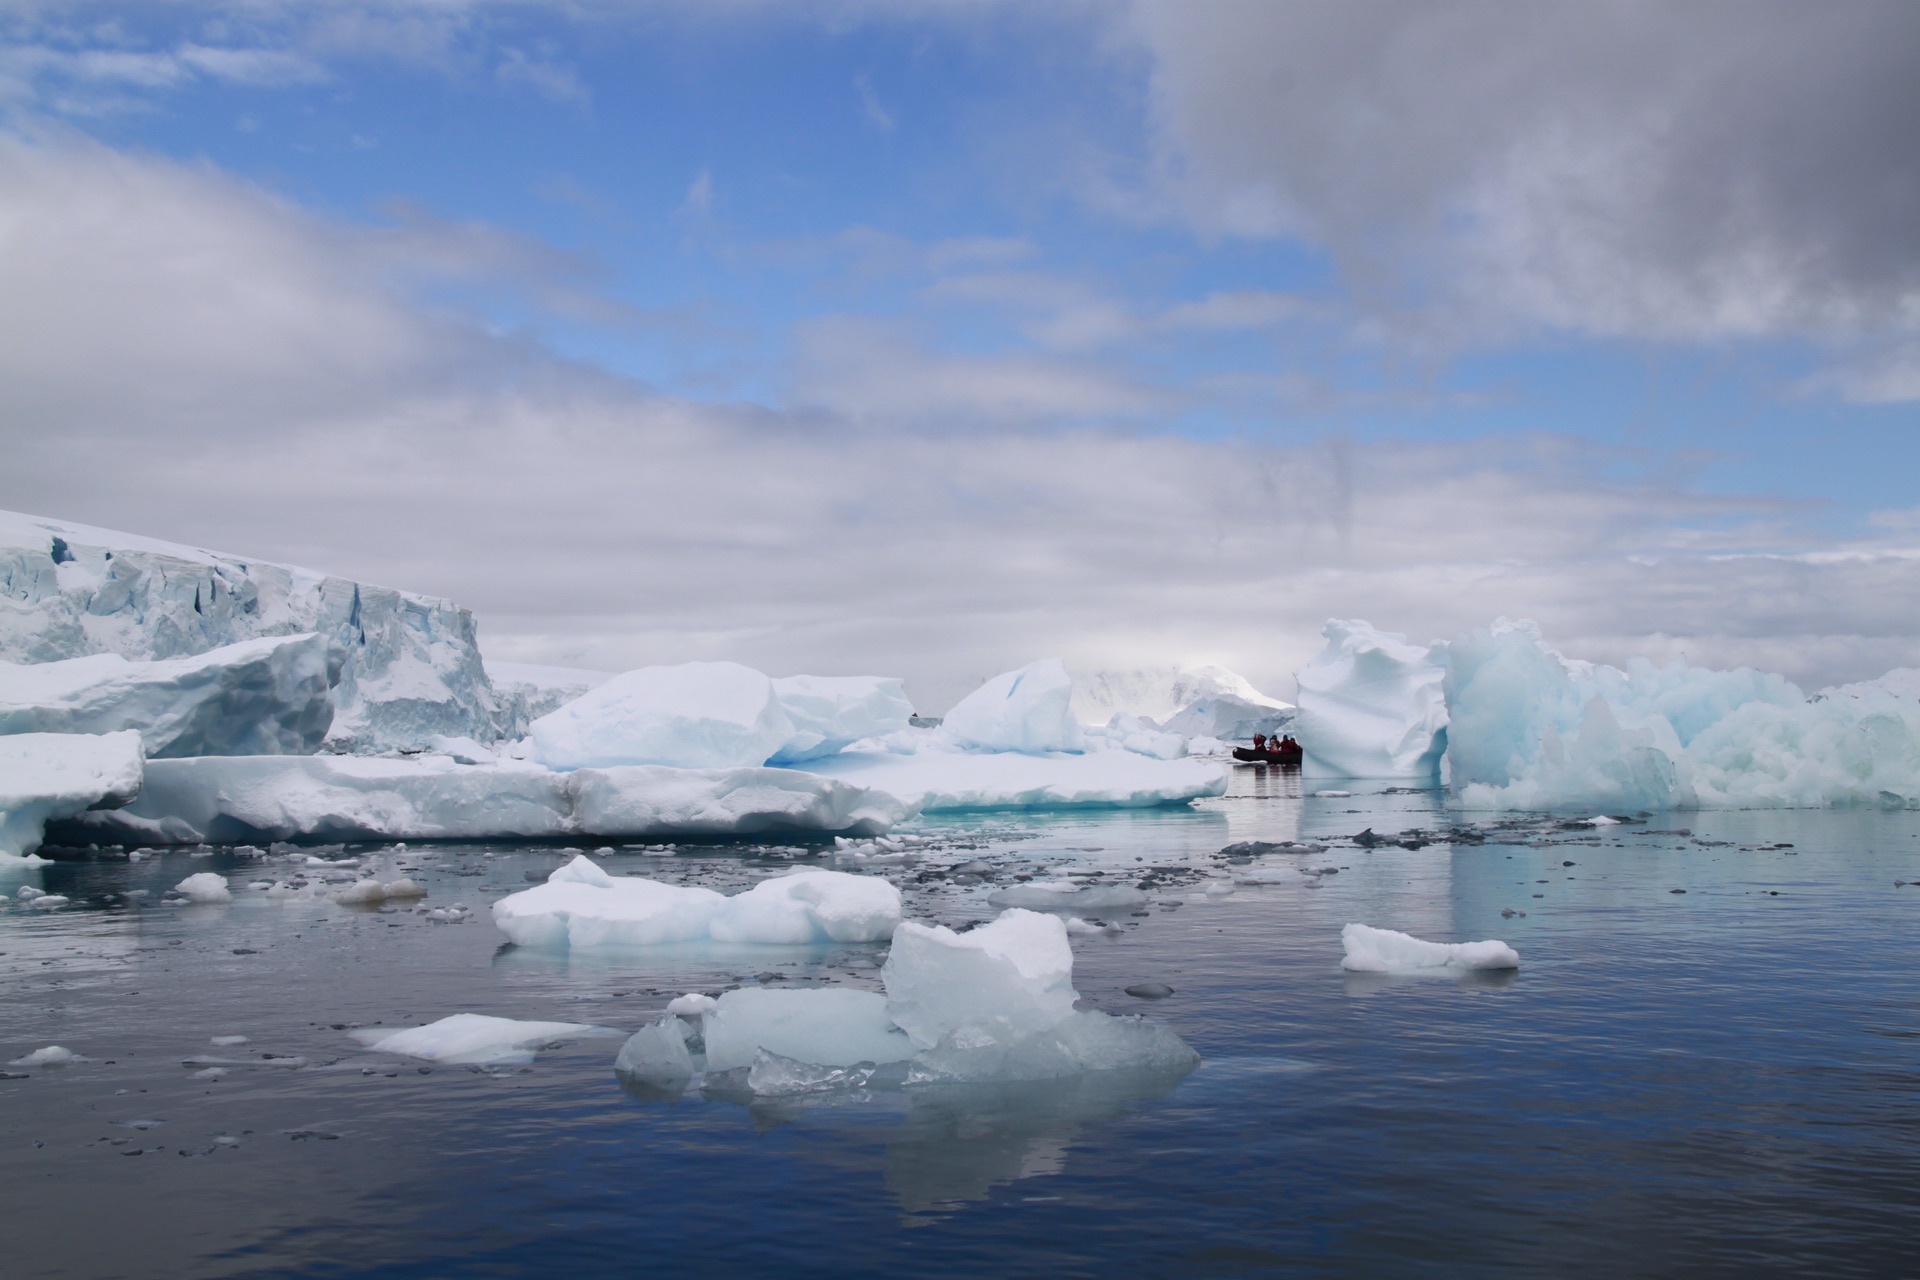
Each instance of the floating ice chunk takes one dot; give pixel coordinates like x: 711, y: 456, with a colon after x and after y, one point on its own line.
x: 474, y: 1038
x: 810, y: 906
x: 774, y: 1076
x: 259, y: 697
x: 372, y: 893
x: 45, y: 776
x: 52, y: 1055
x: 698, y: 715
x: 691, y: 1005
x: 1266, y: 875
x: 1028, y: 710
x: 1065, y: 895
x: 582, y: 906
x: 1014, y: 975
x: 210, y: 1073
x: 827, y: 1026
x: 1370, y: 950
x: 1088, y: 1040
x: 50, y: 901
x: 206, y: 886
x: 1219, y: 889
x: 830, y: 713
x: 1330, y: 793
x: 1602, y: 820
x: 227, y: 1042
x: 1373, y: 706
x: 657, y: 1054
x: 936, y: 781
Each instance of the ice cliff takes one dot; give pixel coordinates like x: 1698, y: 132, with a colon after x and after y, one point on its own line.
x: 409, y: 664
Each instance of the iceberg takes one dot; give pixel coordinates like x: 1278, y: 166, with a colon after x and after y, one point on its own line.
x: 831, y: 713
x: 229, y: 799
x: 1029, y: 710
x: 827, y: 1026
x: 49, y: 776
x: 270, y: 696
x: 1370, y: 950
x: 581, y: 907
x: 697, y: 715
x: 411, y: 663
x: 1015, y: 974
x: 535, y: 690
x: 1373, y: 706
x: 474, y: 1038
x: 938, y: 779
x: 1191, y: 702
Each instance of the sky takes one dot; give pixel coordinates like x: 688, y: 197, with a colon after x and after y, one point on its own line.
x: 929, y: 339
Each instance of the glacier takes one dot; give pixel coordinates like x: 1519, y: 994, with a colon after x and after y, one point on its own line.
x: 410, y: 664
x: 270, y: 696
x: 48, y: 776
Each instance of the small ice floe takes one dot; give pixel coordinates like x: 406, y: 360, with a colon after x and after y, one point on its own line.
x: 371, y: 893
x: 475, y: 1038
x: 227, y: 1042
x: 1219, y: 888
x: 49, y: 902
x: 1265, y: 875
x: 1065, y: 895
x: 204, y: 886
x: 334, y: 864
x: 1602, y: 820
x: 691, y: 1005
x: 448, y: 915
x: 1333, y: 795
x: 52, y: 1056
x: 210, y: 1073
x: 1371, y: 950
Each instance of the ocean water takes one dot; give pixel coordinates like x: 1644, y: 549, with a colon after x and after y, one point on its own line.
x: 1720, y: 1081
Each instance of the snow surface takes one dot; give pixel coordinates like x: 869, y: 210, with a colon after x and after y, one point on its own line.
x: 474, y: 1038
x: 1029, y: 710
x: 581, y: 907
x: 1373, y: 706
x: 411, y: 662
x: 1532, y: 729
x: 830, y: 713
x: 44, y: 776
x: 936, y: 778
x: 1370, y: 950
x: 541, y: 689
x: 253, y: 798
x: 259, y: 697
x: 697, y: 715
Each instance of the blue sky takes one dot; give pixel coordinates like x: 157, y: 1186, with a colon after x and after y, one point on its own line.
x: 1651, y: 266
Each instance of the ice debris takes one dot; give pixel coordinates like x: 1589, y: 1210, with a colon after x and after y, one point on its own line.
x: 474, y: 1038
x: 1065, y: 895
x: 371, y: 893
x: 52, y: 1055
x: 204, y: 886
x: 583, y: 907
x: 1370, y: 950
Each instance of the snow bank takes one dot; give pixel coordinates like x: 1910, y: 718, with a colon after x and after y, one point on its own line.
x: 1029, y: 710
x: 1373, y: 706
x: 937, y: 780
x: 1370, y: 950
x: 1535, y: 730
x: 255, y: 798
x: 46, y: 776
x: 411, y: 663
x: 207, y: 886
x: 830, y: 713
x: 697, y: 715
x: 258, y: 697
x: 582, y: 907
x: 474, y: 1038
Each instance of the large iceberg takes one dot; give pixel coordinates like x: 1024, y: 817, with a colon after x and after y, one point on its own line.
x: 1373, y: 706
x: 825, y: 1027
x: 1532, y: 729
x: 1201, y: 701
x: 46, y: 776
x: 251, y: 798
x: 411, y: 665
x: 697, y: 715
x: 1029, y: 710
x: 831, y: 713
x: 582, y: 907
x: 269, y: 696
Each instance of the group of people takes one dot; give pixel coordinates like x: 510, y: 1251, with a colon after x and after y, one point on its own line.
x: 1283, y: 746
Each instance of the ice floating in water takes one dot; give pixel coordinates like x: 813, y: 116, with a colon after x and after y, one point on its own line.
x: 1373, y: 706
x: 581, y: 906
x: 45, y: 776
x: 1029, y: 710
x: 474, y: 1038
x: 1370, y: 950
x: 371, y: 893
x: 1065, y: 895
x: 1015, y: 974
x: 258, y: 697
x: 828, y: 1026
x: 693, y: 1004
x: 697, y: 715
x: 206, y: 886
x: 52, y: 1055
x: 936, y: 780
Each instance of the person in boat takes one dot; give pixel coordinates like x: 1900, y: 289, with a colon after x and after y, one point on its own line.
x: 1286, y: 745
x: 1259, y: 742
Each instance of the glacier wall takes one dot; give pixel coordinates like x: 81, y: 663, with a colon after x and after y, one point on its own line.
x: 410, y: 668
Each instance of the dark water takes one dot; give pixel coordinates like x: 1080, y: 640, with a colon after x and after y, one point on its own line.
x: 1725, y: 1081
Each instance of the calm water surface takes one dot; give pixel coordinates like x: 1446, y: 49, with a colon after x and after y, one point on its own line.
x: 1720, y: 1081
